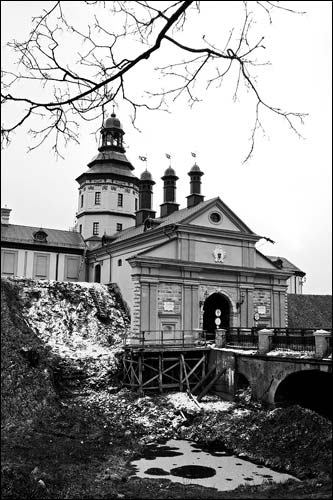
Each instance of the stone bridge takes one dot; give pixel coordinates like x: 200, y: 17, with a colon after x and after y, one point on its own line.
x: 274, y: 380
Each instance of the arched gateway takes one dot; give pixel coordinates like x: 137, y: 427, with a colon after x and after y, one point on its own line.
x: 216, y: 314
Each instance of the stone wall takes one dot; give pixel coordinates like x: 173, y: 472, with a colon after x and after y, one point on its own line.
x: 169, y: 298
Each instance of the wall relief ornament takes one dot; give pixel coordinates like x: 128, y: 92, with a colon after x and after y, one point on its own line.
x: 219, y: 254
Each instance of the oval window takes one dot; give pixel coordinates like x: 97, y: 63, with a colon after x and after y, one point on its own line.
x: 215, y: 217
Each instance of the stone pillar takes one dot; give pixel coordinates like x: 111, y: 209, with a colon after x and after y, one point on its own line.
x: 220, y: 337
x: 265, y: 340
x: 321, y: 342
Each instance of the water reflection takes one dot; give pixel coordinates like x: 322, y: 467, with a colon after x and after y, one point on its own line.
x: 214, y: 468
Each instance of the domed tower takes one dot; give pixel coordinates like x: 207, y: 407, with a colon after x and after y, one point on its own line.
x: 108, y: 190
x: 195, y: 186
x: 145, y: 198
x: 169, y: 190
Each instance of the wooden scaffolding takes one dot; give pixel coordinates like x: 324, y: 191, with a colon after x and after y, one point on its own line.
x: 160, y: 370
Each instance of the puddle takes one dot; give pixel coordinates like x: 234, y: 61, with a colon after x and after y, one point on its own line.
x: 213, y: 468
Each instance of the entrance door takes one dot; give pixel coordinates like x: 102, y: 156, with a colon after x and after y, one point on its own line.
x: 97, y: 273
x: 216, y: 314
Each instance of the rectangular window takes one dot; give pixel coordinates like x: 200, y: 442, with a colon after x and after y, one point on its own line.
x: 120, y: 200
x: 136, y: 204
x: 72, y: 268
x: 97, y: 198
x: 80, y: 228
x: 119, y: 227
x: 81, y: 200
x: 41, y: 266
x: 95, y: 228
x: 9, y: 263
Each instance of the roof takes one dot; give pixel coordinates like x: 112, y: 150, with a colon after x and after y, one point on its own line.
x: 173, y: 218
x: 176, y: 217
x: 55, y: 237
x: 309, y: 311
x: 286, y: 264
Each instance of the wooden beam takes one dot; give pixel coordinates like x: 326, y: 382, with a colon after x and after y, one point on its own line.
x: 196, y: 366
x: 206, y: 389
x: 203, y: 380
x: 160, y: 372
x: 185, y: 372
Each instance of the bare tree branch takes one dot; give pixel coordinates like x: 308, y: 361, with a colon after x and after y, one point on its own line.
x: 108, y: 50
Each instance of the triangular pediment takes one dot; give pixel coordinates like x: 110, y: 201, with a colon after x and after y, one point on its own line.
x: 217, y: 215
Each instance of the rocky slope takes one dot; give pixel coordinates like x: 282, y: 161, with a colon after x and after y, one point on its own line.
x: 55, y: 335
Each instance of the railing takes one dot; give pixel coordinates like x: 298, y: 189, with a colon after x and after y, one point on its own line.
x: 163, y: 338
x: 294, y: 342
x: 300, y: 332
x: 244, y: 337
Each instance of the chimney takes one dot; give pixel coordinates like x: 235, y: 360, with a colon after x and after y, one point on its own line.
x: 195, y: 186
x: 5, y: 212
x: 145, y: 198
x: 169, y: 206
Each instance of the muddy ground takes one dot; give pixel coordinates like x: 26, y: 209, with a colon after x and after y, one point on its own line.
x: 70, y: 431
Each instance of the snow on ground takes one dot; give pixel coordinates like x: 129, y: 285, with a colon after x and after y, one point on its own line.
x: 237, y: 350
x: 182, y: 401
x: 289, y: 353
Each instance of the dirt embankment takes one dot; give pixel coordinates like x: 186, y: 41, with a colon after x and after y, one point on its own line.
x: 70, y: 431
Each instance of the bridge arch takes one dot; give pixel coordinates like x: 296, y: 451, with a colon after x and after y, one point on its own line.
x: 307, y: 388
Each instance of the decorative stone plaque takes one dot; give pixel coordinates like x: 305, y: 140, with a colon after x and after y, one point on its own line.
x: 168, y: 306
x: 262, y: 309
x: 219, y: 254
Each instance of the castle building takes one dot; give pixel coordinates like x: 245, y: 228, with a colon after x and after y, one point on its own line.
x: 190, y: 268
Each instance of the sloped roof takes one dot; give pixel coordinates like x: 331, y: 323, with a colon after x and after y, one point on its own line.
x: 176, y: 217
x: 14, y: 233
x: 286, y: 264
x: 309, y: 311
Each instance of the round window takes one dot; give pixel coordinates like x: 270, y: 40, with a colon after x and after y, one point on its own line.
x: 215, y: 217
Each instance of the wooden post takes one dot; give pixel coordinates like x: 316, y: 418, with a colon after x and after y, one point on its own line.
x: 160, y: 372
x: 140, y: 372
x: 185, y: 372
x: 181, y: 387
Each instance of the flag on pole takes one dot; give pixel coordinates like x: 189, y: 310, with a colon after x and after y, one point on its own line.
x: 194, y: 155
x: 143, y: 158
x: 168, y: 156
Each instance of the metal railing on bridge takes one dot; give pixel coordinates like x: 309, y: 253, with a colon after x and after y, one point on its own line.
x: 163, y: 338
x: 296, y: 339
x: 244, y: 337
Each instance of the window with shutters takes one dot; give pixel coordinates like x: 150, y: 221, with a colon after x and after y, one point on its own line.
x: 9, y: 262
x: 41, y: 266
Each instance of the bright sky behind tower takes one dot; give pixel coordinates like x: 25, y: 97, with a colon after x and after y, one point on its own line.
x: 283, y: 192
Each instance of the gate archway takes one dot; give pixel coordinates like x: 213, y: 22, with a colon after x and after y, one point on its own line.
x: 216, y: 307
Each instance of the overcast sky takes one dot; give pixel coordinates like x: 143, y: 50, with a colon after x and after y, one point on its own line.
x: 283, y: 192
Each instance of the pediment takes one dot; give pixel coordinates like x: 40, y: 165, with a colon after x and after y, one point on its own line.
x: 217, y: 215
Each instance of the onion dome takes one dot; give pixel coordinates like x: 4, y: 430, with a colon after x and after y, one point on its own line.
x: 169, y: 172
x: 112, y: 122
x: 195, y: 170
x: 146, y: 176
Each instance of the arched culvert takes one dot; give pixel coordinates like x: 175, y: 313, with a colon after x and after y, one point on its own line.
x: 309, y: 389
